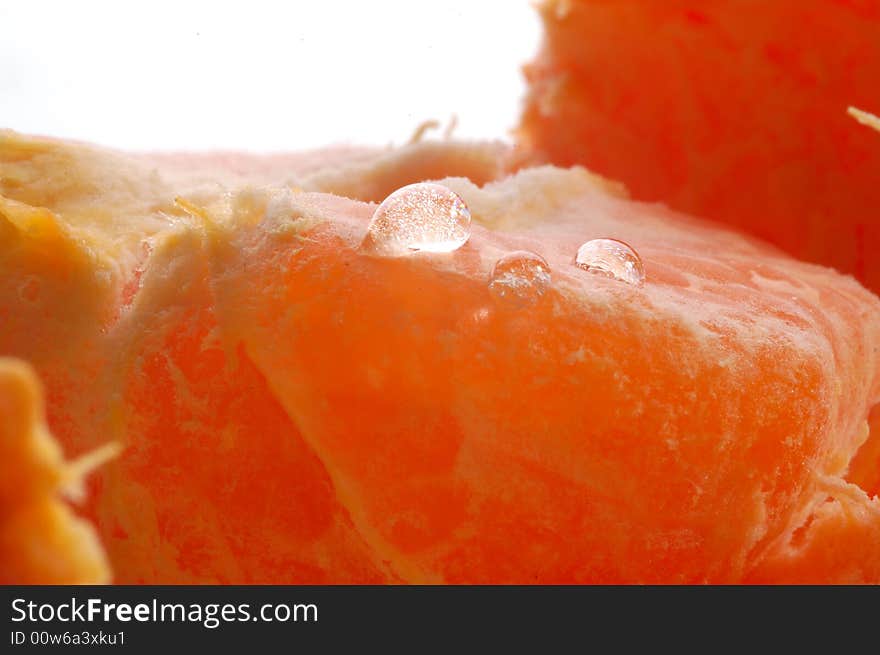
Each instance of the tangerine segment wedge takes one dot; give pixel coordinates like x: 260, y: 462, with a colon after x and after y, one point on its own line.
x: 671, y: 433
x: 733, y: 113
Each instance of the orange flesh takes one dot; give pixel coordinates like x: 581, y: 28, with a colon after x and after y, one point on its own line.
x: 294, y: 410
x: 603, y: 426
x: 735, y: 113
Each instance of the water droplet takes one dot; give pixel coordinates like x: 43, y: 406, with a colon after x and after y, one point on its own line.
x: 425, y: 216
x: 611, y: 258
x: 520, y: 277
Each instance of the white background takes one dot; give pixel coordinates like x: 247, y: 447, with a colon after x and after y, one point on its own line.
x: 262, y: 75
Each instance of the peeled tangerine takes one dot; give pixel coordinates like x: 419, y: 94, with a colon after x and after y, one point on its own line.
x: 295, y: 407
x: 730, y: 112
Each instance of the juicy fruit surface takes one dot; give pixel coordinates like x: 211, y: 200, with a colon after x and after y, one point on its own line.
x: 728, y: 110
x: 41, y: 540
x: 295, y: 409
x: 610, y: 427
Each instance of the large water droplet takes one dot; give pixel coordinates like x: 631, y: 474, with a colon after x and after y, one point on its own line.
x: 520, y: 278
x: 611, y: 258
x: 424, y: 216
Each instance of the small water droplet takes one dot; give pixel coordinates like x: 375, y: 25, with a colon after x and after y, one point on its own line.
x: 611, y: 258
x: 520, y: 277
x: 419, y: 217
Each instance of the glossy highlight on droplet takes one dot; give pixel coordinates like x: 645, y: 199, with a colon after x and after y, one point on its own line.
x: 424, y: 217
x: 612, y: 259
x: 520, y: 278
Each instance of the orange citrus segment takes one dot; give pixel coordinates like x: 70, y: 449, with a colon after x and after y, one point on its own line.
x: 729, y: 112
x: 604, y: 432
